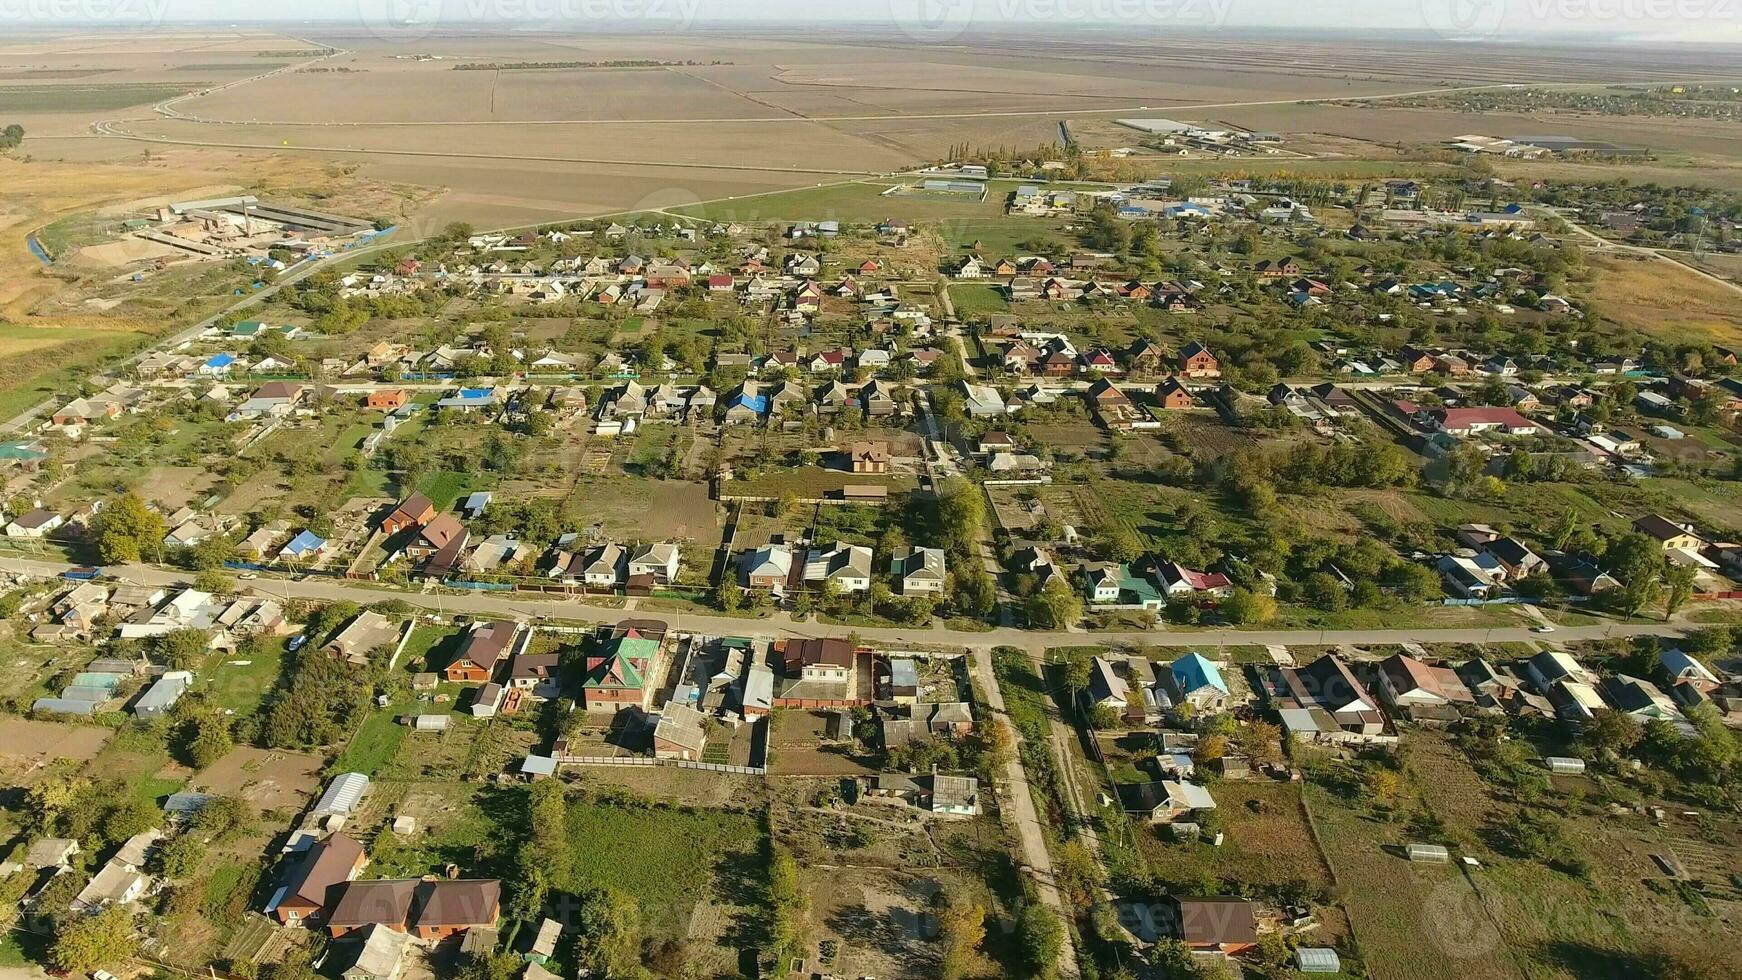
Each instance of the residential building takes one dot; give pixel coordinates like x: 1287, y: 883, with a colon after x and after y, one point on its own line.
x: 483, y: 648
x: 847, y: 566
x: 918, y: 571
x: 308, y: 889
x: 1194, y: 679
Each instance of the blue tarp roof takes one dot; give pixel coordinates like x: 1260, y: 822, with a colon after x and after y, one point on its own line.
x: 756, y: 403
x: 221, y: 360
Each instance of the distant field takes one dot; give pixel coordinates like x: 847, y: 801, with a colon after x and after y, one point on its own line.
x: 255, y: 68
x: 1666, y: 300
x: 35, y: 363
x: 86, y: 98
x: 859, y: 201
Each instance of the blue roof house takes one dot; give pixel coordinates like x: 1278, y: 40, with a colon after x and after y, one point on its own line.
x: 1198, y: 682
x: 219, y: 364
x: 304, y: 545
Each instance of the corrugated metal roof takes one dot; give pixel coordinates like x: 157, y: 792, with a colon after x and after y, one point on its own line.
x: 343, y: 793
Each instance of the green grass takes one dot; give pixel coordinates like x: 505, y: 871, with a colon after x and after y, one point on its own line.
x: 155, y: 789
x: 428, y: 648
x: 971, y: 298
x: 88, y: 98
x: 445, y: 486
x: 242, y: 688
x: 20, y: 949
x: 374, y: 744
x: 661, y: 856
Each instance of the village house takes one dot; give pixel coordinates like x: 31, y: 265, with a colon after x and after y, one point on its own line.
x: 1196, y: 361
x: 315, y: 873
x: 618, y: 673
x: 918, y: 571
x: 369, y: 631
x: 869, y: 457
x: 415, y: 511
x: 483, y: 648
x: 847, y: 566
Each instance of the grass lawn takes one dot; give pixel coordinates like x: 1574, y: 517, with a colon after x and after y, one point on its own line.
x: 661, y: 855
x: 374, y: 744
x: 976, y: 298
x: 156, y: 789
x: 429, y: 649
x: 443, y: 487
x: 242, y: 687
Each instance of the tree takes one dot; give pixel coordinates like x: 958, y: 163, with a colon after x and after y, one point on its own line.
x: 207, y: 739
x: 181, y: 649
x: 92, y: 942
x: 1245, y: 607
x: 126, y: 530
x: 1612, y: 731
x: 961, y: 928
x: 728, y: 596
x: 1040, y: 936
x: 1056, y: 606
x: 1679, y: 582
x: 1637, y: 560
x: 609, y: 923
x: 216, y: 582
x: 1078, y: 668
x: 786, y: 906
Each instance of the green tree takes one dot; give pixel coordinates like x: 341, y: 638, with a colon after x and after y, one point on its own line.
x: 1057, y: 606
x: 961, y: 929
x: 93, y: 942
x: 786, y: 906
x: 1040, y: 936
x: 1612, y: 731
x: 1245, y: 607
x: 1679, y: 588
x: 126, y: 530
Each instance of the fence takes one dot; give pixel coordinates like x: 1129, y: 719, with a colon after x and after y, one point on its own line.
x: 642, y: 760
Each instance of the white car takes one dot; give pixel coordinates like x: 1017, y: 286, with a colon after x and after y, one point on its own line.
x: 1544, y: 628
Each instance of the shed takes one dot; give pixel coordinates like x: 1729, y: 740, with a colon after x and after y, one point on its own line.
x: 1317, y: 959
x: 1564, y: 764
x: 431, y: 723
x: 538, y: 767
x: 1427, y: 853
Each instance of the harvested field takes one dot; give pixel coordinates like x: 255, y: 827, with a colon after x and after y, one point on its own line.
x: 797, y: 747
x: 1666, y: 300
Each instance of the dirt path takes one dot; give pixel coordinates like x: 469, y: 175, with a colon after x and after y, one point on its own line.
x: 1019, y: 806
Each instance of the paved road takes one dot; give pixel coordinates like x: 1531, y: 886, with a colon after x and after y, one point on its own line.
x: 782, y: 625
x: 1019, y: 804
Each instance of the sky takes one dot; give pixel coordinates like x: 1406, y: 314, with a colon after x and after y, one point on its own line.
x: 942, y: 20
